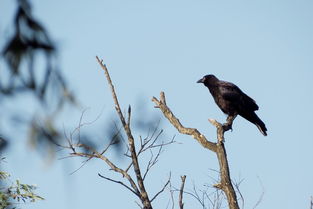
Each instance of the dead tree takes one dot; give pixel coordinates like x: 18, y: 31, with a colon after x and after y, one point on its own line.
x: 225, y: 181
x: 133, y: 181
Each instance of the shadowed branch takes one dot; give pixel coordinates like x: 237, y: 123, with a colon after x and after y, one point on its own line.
x: 181, y: 191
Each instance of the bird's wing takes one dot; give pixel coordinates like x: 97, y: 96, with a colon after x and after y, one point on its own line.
x: 233, y: 93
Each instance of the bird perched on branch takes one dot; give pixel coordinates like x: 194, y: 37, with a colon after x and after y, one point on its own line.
x: 232, y: 101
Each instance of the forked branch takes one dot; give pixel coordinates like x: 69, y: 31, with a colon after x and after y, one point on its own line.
x: 225, y: 184
x: 143, y: 193
x: 135, y: 181
x: 176, y: 123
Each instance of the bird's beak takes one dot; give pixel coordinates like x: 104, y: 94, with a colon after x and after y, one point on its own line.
x: 200, y: 81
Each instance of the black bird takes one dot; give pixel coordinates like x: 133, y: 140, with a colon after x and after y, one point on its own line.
x: 232, y: 101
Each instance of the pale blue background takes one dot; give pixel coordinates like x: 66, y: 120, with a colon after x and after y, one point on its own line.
x: 265, y: 47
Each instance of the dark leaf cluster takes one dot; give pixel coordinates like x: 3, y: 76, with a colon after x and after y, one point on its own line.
x: 32, y: 69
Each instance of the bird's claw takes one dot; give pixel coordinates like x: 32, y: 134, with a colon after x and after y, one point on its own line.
x: 227, y: 126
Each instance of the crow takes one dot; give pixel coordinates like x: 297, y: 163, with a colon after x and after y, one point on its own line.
x: 232, y: 101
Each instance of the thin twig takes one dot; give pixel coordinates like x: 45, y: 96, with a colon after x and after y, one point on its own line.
x: 237, y: 184
x: 261, y: 196
x: 195, y: 195
x: 119, y: 182
x: 172, y: 196
x: 162, y: 190
x: 117, y: 105
x: 112, y: 141
x: 148, y: 166
x: 96, y: 154
x: 138, y: 205
x: 82, y: 165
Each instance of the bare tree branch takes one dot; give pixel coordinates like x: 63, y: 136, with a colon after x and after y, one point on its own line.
x: 195, y: 195
x: 153, y: 160
x: 119, y: 182
x: 176, y: 123
x: 149, y: 165
x: 162, y: 190
x: 129, y: 114
x: 261, y: 196
x: 237, y: 184
x: 96, y: 154
x: 138, y: 205
x: 172, y: 196
x: 225, y: 183
x: 180, y: 201
x: 143, y: 194
x: 82, y: 165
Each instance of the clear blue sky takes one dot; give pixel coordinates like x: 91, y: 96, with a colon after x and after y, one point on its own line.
x: 265, y: 47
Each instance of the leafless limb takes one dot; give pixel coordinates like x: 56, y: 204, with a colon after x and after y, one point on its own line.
x: 129, y: 113
x: 132, y: 181
x: 261, y: 196
x: 172, y: 196
x: 82, y: 165
x: 196, y: 196
x: 181, y: 191
x: 77, y: 131
x: 225, y: 183
x: 149, y: 143
x: 162, y: 190
x: 80, y: 125
x: 176, y: 123
x: 153, y: 160
x: 92, y: 153
x: 143, y: 193
x: 206, y: 199
x: 95, y: 154
x: 217, y: 199
x: 119, y: 182
x: 138, y: 205
x: 113, y: 141
x: 236, y: 185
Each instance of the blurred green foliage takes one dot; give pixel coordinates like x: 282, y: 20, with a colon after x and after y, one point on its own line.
x: 14, y: 193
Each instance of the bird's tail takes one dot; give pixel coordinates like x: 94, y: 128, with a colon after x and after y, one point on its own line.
x: 253, y: 118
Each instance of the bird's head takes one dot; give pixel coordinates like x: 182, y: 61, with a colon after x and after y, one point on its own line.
x: 208, y: 79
